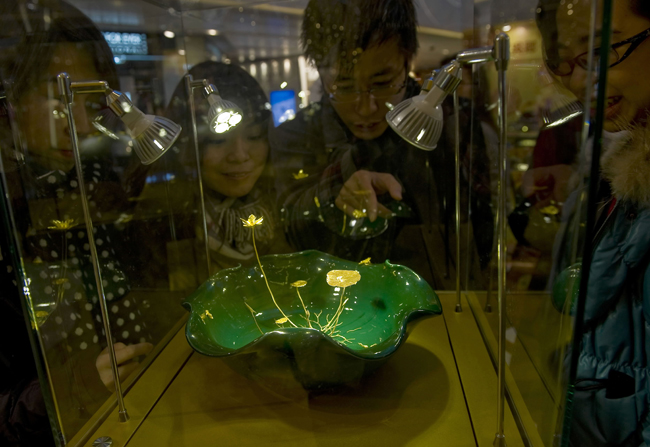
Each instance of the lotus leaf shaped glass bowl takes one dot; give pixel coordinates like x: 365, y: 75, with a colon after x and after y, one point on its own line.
x: 341, y: 333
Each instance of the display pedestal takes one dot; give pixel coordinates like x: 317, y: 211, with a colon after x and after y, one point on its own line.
x: 438, y: 389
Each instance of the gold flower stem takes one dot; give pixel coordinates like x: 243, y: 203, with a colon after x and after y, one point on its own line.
x: 254, y: 319
x: 334, y: 321
x: 60, y: 289
x: 345, y: 218
x: 266, y: 281
x: 303, y: 306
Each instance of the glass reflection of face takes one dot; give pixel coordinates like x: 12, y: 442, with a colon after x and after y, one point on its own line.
x: 628, y: 95
x: 41, y: 114
x: 232, y: 162
x: 376, y: 67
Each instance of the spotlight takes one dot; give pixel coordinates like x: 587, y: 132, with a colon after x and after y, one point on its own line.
x: 419, y: 119
x: 223, y: 115
x: 152, y: 135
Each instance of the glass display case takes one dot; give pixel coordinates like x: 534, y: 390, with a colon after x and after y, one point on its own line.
x: 325, y: 221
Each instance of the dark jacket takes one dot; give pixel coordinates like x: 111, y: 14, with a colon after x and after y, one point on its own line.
x: 611, y: 397
x: 315, y: 154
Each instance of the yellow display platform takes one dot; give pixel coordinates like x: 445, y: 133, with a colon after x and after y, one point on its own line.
x: 438, y: 389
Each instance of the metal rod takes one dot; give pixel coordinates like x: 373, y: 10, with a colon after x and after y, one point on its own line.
x: 502, y: 56
x: 476, y: 55
x: 89, y: 87
x: 459, y: 307
x: 190, y: 85
x: 470, y: 158
x: 63, y: 80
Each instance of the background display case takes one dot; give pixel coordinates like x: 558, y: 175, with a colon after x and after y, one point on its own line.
x: 498, y: 359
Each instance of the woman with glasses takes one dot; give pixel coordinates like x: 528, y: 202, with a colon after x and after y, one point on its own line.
x: 611, y: 397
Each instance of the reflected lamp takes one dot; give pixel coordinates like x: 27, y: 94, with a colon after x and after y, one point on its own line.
x: 559, y: 104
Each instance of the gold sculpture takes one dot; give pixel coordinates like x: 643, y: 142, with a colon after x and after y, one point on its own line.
x: 335, y: 278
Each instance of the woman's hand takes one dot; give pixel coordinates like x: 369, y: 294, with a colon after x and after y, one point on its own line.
x: 359, y: 194
x: 123, y: 354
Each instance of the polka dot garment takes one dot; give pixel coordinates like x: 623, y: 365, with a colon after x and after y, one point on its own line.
x: 59, y: 267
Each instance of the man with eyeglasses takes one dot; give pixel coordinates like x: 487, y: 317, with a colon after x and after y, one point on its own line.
x: 346, y: 182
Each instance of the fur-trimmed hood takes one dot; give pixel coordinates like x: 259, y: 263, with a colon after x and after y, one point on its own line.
x: 625, y: 163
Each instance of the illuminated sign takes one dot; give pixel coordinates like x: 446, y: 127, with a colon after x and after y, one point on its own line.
x: 126, y: 43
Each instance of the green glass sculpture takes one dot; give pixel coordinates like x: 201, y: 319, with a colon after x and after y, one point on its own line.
x: 324, y: 320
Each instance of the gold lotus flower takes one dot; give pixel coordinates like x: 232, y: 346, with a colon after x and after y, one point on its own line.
x: 342, y: 278
x: 358, y: 214
x: 300, y: 175
x: 552, y: 210
x: 206, y: 314
x: 62, y: 224
x: 299, y: 283
x: 365, y: 262
x: 252, y: 221
x: 317, y: 202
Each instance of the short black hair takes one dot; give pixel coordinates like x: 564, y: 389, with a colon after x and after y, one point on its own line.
x: 333, y: 31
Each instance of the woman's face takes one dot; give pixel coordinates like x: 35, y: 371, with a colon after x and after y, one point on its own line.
x: 628, y: 95
x: 233, y: 162
x: 41, y: 114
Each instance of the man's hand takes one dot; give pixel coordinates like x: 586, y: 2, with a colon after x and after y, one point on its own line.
x: 123, y: 354
x: 547, y: 185
x: 359, y: 194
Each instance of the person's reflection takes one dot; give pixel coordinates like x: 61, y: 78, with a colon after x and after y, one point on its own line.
x: 347, y: 183
x: 610, y: 400
x: 237, y: 179
x: 44, y: 192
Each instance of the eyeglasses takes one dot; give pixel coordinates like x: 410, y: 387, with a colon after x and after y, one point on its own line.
x: 566, y: 67
x: 381, y: 90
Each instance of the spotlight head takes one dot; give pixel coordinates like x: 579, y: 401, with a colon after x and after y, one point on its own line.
x: 223, y: 115
x: 419, y: 119
x: 152, y: 135
x: 559, y: 104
